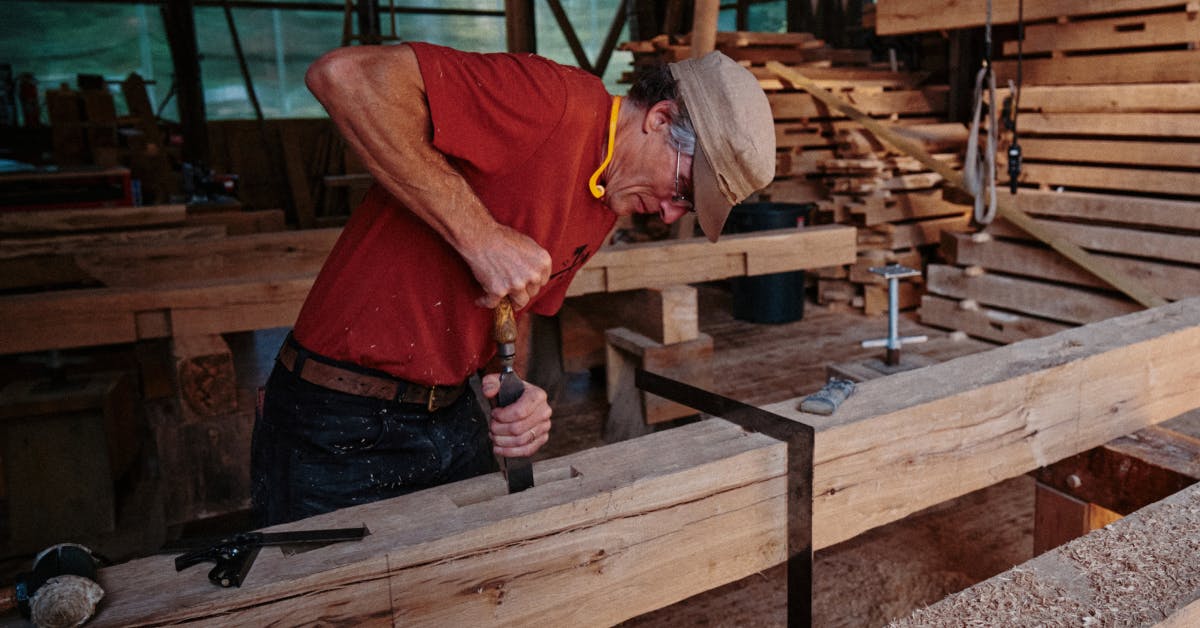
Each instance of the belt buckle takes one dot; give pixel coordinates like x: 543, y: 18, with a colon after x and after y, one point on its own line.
x: 432, y: 394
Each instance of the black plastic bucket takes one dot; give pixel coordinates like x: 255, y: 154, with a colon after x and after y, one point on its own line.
x: 774, y: 298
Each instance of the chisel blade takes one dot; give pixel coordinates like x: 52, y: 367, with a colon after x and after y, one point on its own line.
x: 518, y: 471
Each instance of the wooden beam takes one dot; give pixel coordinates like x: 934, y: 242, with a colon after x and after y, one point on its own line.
x: 1171, y: 66
x: 982, y: 322
x: 91, y: 219
x: 1172, y: 281
x: 914, y: 439
x: 1110, y: 208
x: 1061, y: 303
x: 65, y: 244
x: 1140, y: 98
x: 707, y: 508
x: 658, y: 264
x: 1140, y: 124
x: 1004, y: 208
x: 659, y: 518
x: 785, y: 106
x: 271, y: 297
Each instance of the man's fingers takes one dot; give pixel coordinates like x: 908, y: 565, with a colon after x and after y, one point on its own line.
x: 524, y: 444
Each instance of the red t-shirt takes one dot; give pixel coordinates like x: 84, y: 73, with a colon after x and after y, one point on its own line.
x: 526, y: 133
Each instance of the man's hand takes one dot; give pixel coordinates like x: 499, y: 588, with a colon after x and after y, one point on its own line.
x: 519, y: 429
x: 509, y: 264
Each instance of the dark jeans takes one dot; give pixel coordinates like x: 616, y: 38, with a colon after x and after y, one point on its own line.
x: 315, y: 450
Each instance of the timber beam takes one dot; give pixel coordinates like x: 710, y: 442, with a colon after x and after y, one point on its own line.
x: 653, y: 520
x: 261, y: 281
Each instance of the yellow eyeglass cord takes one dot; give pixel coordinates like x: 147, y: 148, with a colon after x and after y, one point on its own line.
x: 593, y: 185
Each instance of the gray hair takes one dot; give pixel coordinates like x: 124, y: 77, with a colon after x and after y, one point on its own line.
x: 655, y: 83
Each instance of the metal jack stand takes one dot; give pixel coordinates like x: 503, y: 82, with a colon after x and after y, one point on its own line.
x: 799, y: 439
x: 893, y: 273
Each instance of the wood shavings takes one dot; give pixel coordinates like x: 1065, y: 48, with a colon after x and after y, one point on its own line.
x: 1135, y: 572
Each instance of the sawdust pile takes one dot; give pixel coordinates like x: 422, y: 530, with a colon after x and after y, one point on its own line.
x: 1135, y: 572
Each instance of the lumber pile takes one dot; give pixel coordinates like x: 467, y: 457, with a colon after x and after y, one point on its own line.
x: 897, y: 206
x: 750, y: 48
x: 1107, y: 118
x: 895, y: 203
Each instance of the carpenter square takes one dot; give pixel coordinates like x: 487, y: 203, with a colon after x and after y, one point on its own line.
x: 518, y: 471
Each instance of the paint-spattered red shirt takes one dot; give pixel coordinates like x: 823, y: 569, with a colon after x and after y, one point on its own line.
x: 526, y: 133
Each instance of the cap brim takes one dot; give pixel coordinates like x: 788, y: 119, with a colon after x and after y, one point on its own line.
x: 712, y: 208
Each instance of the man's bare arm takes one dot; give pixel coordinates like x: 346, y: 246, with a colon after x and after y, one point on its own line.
x: 376, y: 97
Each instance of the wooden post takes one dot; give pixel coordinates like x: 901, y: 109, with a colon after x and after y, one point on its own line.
x: 519, y: 26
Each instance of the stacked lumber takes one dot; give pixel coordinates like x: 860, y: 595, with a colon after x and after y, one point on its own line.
x: 749, y: 48
x: 1001, y: 285
x: 1107, y: 118
x: 895, y: 203
x: 1115, y: 42
x: 897, y: 206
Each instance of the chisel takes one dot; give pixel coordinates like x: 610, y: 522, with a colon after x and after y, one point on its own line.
x: 518, y: 471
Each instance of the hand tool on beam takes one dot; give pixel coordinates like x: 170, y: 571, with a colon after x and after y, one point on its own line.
x: 518, y: 471
x: 1005, y: 207
x: 234, y: 555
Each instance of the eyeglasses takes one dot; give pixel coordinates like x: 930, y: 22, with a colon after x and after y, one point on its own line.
x: 680, y: 198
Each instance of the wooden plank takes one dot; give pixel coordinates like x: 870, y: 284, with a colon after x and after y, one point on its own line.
x: 895, y: 17
x: 984, y: 322
x: 1062, y: 303
x: 924, y: 101
x: 647, y: 265
x: 64, y: 244
x: 1004, y: 208
x: 242, y: 222
x: 1174, y: 125
x: 1172, y: 66
x: 300, y: 252
x: 903, y: 206
x: 1109, y: 208
x: 88, y: 318
x: 1129, y: 31
x: 1131, y: 573
x: 91, y: 219
x: 602, y: 523
x: 848, y: 77
x: 1169, y: 280
x: 1139, y: 98
x: 1164, y: 154
x: 910, y: 235
x: 1181, y: 183
x: 1165, y: 246
x: 911, y: 440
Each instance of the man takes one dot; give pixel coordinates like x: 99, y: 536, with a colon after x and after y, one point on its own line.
x: 497, y: 175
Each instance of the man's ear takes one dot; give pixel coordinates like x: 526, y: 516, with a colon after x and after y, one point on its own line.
x: 657, y: 117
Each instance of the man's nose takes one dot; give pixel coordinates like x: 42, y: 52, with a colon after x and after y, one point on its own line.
x: 670, y: 212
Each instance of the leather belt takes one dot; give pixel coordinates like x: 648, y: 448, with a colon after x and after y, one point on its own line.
x: 315, y: 369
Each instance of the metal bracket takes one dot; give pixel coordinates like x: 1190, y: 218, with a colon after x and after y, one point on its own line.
x: 799, y: 438
x: 893, y: 273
